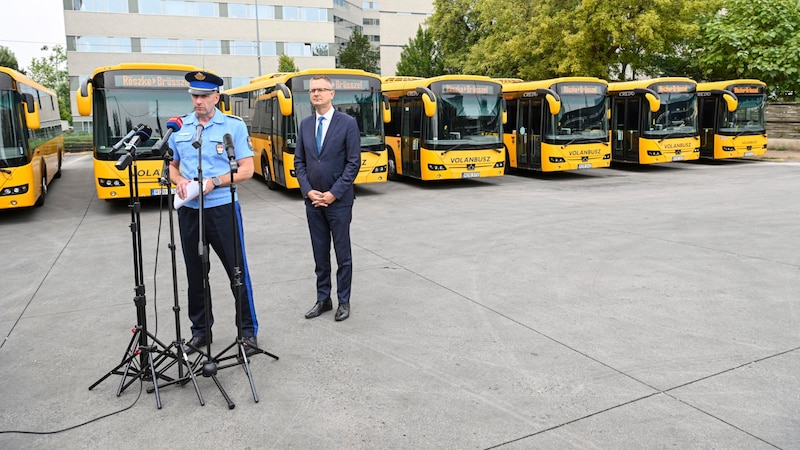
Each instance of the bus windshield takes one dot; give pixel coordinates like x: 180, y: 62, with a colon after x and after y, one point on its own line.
x: 467, y: 119
x: 749, y: 116
x: 118, y: 111
x: 581, y: 117
x: 364, y: 106
x: 675, y: 116
x: 12, y: 149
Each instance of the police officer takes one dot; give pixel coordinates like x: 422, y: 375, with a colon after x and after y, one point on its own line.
x: 218, y: 210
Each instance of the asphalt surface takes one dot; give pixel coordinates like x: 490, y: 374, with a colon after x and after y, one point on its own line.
x: 621, y: 308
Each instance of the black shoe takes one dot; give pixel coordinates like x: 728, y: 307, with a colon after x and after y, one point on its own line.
x: 250, y: 345
x: 319, y: 308
x: 195, y: 344
x: 343, y: 311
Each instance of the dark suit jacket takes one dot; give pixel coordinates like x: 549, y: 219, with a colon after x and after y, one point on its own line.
x: 336, y: 167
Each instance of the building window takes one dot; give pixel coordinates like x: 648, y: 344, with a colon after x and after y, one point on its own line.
x: 243, y: 48
x: 179, y: 8
x: 103, y: 44
x: 109, y: 6
x: 242, y: 11
x: 369, y: 22
x: 370, y: 5
x: 269, y: 48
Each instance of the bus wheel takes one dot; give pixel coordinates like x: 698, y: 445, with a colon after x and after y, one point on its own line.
x: 40, y: 200
x: 392, y: 175
x: 271, y: 185
x: 58, y: 173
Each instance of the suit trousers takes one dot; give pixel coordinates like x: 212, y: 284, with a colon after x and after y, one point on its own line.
x: 219, y: 230
x: 326, y: 224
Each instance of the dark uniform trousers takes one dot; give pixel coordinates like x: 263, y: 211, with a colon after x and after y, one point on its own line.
x: 325, y: 223
x: 219, y: 228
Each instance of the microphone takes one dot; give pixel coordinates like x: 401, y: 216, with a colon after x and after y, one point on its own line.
x: 197, y: 142
x: 229, y: 148
x: 143, y: 135
x: 173, y: 124
x: 121, y: 142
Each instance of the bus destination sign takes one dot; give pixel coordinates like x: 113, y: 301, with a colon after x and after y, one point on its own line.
x: 674, y: 88
x: 475, y: 89
x: 580, y: 89
x: 156, y: 81
x: 345, y: 84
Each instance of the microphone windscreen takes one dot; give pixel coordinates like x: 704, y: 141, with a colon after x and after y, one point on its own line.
x: 175, y: 123
x: 144, y: 133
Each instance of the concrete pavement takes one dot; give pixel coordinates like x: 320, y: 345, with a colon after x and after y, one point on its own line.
x: 643, y: 307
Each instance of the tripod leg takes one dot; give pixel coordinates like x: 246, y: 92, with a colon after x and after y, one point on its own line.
x: 126, y: 358
x: 231, y: 405
x: 185, y: 360
x: 131, y: 358
x: 246, y: 366
x: 155, y: 379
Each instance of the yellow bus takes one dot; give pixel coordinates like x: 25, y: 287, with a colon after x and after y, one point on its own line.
x: 120, y: 98
x: 445, y: 127
x: 558, y: 124
x: 273, y: 105
x: 654, y: 121
x: 31, y: 143
x: 732, y: 118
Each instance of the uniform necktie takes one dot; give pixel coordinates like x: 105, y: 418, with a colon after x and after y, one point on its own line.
x: 319, y: 134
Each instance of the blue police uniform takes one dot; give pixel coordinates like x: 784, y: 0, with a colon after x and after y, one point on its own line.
x: 218, y: 210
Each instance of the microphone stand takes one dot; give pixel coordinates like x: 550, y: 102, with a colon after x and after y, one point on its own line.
x: 138, y: 345
x: 241, y: 352
x: 182, y: 358
x: 209, y: 368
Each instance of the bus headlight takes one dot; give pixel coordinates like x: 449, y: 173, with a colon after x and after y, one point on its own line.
x: 499, y: 164
x: 379, y: 169
x: 607, y: 156
x: 14, y: 190
x: 653, y: 153
x: 110, y: 182
x: 557, y: 159
x: 726, y: 148
x: 436, y: 167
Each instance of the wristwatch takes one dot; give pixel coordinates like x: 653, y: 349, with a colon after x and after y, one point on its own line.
x: 216, y: 182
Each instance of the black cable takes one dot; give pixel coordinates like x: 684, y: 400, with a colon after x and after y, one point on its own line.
x: 141, y: 388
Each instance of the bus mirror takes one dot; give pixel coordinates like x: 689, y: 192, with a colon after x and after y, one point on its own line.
x: 730, y: 98
x: 505, y: 112
x: 428, y: 100
x: 387, y: 112
x: 608, y: 113
x: 31, y: 112
x: 83, y: 99
x: 284, y: 99
x: 553, y: 100
x: 655, y: 102
x: 225, y: 103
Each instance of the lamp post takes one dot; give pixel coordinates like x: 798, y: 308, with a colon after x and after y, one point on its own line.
x: 258, y: 40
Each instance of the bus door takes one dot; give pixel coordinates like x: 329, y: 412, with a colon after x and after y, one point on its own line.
x: 707, y: 112
x: 284, y: 140
x: 625, y: 141
x: 529, y: 133
x: 411, y: 136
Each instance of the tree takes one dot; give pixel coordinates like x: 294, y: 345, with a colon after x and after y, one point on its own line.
x: 754, y: 39
x: 8, y: 59
x: 286, y: 64
x: 421, y: 57
x: 455, y: 28
x: 48, y: 72
x: 358, y: 53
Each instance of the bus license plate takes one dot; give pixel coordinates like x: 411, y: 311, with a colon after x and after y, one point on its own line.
x: 161, y: 191
x: 470, y: 175
x: 584, y: 166
x: 749, y: 153
x: 677, y: 158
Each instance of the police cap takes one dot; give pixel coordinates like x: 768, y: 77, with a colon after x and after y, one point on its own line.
x: 203, y: 83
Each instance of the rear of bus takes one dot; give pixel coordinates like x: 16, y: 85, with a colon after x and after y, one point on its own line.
x: 732, y: 119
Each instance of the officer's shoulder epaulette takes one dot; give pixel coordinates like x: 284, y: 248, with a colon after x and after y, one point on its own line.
x: 235, y: 117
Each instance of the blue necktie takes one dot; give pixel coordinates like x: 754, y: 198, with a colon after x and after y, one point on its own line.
x: 319, y: 134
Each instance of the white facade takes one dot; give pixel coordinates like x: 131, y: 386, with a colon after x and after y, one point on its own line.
x: 224, y: 36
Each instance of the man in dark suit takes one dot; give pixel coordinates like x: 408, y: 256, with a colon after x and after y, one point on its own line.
x: 326, y: 162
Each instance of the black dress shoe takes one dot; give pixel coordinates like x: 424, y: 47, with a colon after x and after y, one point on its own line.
x: 250, y: 345
x: 196, y: 343
x: 319, y: 308
x: 343, y: 311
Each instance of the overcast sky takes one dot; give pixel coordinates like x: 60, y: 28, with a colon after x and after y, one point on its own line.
x: 30, y: 24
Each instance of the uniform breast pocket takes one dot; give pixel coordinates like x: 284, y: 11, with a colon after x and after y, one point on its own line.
x: 216, y: 142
